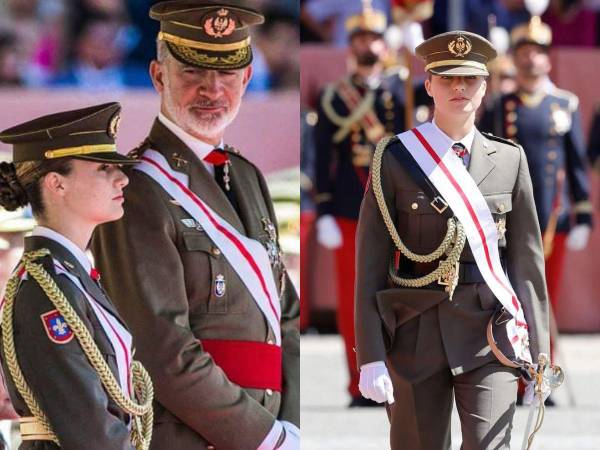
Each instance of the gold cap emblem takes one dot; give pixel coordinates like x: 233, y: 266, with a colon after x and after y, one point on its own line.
x: 460, y: 47
x: 113, y: 126
x: 219, y: 25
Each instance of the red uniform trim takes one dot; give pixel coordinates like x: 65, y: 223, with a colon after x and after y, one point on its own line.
x: 250, y: 364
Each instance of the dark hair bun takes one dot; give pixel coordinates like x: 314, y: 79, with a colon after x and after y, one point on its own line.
x: 12, y: 194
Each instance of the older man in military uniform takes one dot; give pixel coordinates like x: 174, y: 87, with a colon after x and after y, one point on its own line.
x: 353, y: 114
x: 194, y: 266
x: 546, y: 121
x: 448, y: 235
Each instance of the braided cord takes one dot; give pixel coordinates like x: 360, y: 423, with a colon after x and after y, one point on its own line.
x: 452, y: 245
x: 142, y: 385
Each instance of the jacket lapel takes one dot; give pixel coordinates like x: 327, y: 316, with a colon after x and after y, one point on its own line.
x: 70, y: 263
x: 182, y: 159
x: 481, y: 164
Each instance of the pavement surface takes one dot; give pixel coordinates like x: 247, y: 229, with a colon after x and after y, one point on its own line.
x: 327, y: 423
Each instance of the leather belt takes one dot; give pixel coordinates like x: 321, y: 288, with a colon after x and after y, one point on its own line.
x: 249, y: 364
x: 32, y: 430
x: 468, y: 273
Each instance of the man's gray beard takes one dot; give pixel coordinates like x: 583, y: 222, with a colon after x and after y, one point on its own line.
x: 193, y: 125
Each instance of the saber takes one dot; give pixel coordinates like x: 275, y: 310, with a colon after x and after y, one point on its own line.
x: 546, y: 378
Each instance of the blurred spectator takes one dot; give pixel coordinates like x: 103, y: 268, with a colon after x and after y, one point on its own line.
x: 326, y: 19
x: 9, y: 61
x: 276, y: 42
x: 98, y: 60
x: 572, y: 23
x: 39, y: 36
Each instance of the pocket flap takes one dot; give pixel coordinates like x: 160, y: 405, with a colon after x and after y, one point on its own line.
x: 499, y: 203
x: 196, y: 241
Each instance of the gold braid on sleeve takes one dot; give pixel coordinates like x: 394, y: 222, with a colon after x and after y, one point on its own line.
x: 140, y: 407
x: 451, y: 247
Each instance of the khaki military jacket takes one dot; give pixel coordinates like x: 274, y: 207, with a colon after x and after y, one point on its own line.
x: 62, y: 380
x: 160, y: 271
x: 420, y: 326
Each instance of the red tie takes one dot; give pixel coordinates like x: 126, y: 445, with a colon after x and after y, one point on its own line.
x: 459, y: 149
x: 217, y: 157
x: 95, y: 274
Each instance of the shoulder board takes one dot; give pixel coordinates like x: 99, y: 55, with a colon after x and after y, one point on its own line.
x: 140, y: 149
x: 567, y: 95
x: 499, y: 139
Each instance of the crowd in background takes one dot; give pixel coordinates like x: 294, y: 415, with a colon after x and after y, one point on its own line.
x: 573, y: 22
x: 106, y: 45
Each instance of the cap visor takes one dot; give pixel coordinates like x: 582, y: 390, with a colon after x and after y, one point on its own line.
x: 458, y: 71
x: 109, y: 158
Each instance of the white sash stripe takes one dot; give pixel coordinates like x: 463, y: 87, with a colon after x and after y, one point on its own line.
x: 118, y: 336
x: 452, y: 180
x: 246, y: 256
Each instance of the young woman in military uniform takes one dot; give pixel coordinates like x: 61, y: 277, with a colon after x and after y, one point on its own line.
x: 66, y: 353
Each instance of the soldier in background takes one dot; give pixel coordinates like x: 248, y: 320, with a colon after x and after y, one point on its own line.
x: 354, y: 113
x: 546, y: 121
x: 594, y: 140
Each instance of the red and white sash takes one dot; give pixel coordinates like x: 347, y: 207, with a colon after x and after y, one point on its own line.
x: 432, y: 150
x: 246, y: 256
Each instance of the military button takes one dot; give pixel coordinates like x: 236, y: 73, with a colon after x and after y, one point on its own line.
x: 269, y: 392
x: 389, y: 115
x: 210, y: 447
x: 215, y: 251
x: 270, y: 342
x: 552, y: 155
x: 415, y: 205
x: 501, y: 207
x: 510, y: 105
x: 549, y: 168
x: 511, y: 116
x: 511, y: 130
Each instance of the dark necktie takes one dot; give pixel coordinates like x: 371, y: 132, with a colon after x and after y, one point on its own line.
x: 219, y: 159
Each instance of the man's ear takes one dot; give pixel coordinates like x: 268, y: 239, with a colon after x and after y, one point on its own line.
x: 247, y: 76
x: 157, y: 73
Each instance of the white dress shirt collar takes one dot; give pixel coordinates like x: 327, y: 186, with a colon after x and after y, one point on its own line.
x: 467, y: 140
x: 200, y: 148
x: 66, y: 243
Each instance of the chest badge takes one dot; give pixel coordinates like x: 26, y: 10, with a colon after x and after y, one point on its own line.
x: 220, y: 285
x: 501, y: 228
x: 56, y: 327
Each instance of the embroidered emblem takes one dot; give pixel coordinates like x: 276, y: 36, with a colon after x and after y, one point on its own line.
x: 179, y: 160
x: 113, y: 126
x: 68, y: 265
x: 561, y: 119
x: 271, y: 245
x: 460, y: 47
x: 56, y: 327
x: 219, y: 25
x: 220, y: 285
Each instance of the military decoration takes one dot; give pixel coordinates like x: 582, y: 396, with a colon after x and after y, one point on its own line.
x: 113, y: 125
x: 220, y: 24
x: 272, y: 246
x: 460, y: 47
x: 220, y: 286
x: 56, y: 327
x: 561, y: 119
x: 501, y: 228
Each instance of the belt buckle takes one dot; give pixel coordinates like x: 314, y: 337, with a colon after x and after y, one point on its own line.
x: 439, y: 204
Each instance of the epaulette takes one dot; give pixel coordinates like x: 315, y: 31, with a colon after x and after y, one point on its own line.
x: 140, y: 149
x: 567, y: 95
x: 499, y: 139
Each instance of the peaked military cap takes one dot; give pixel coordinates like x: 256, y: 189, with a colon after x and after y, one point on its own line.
x: 368, y: 21
x: 457, y: 53
x: 210, y: 34
x: 87, y: 133
x: 532, y: 32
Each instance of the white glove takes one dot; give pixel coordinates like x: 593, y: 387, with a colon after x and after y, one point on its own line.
x: 291, y: 441
x: 329, y: 234
x: 578, y: 237
x: 292, y: 436
x: 375, y: 382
